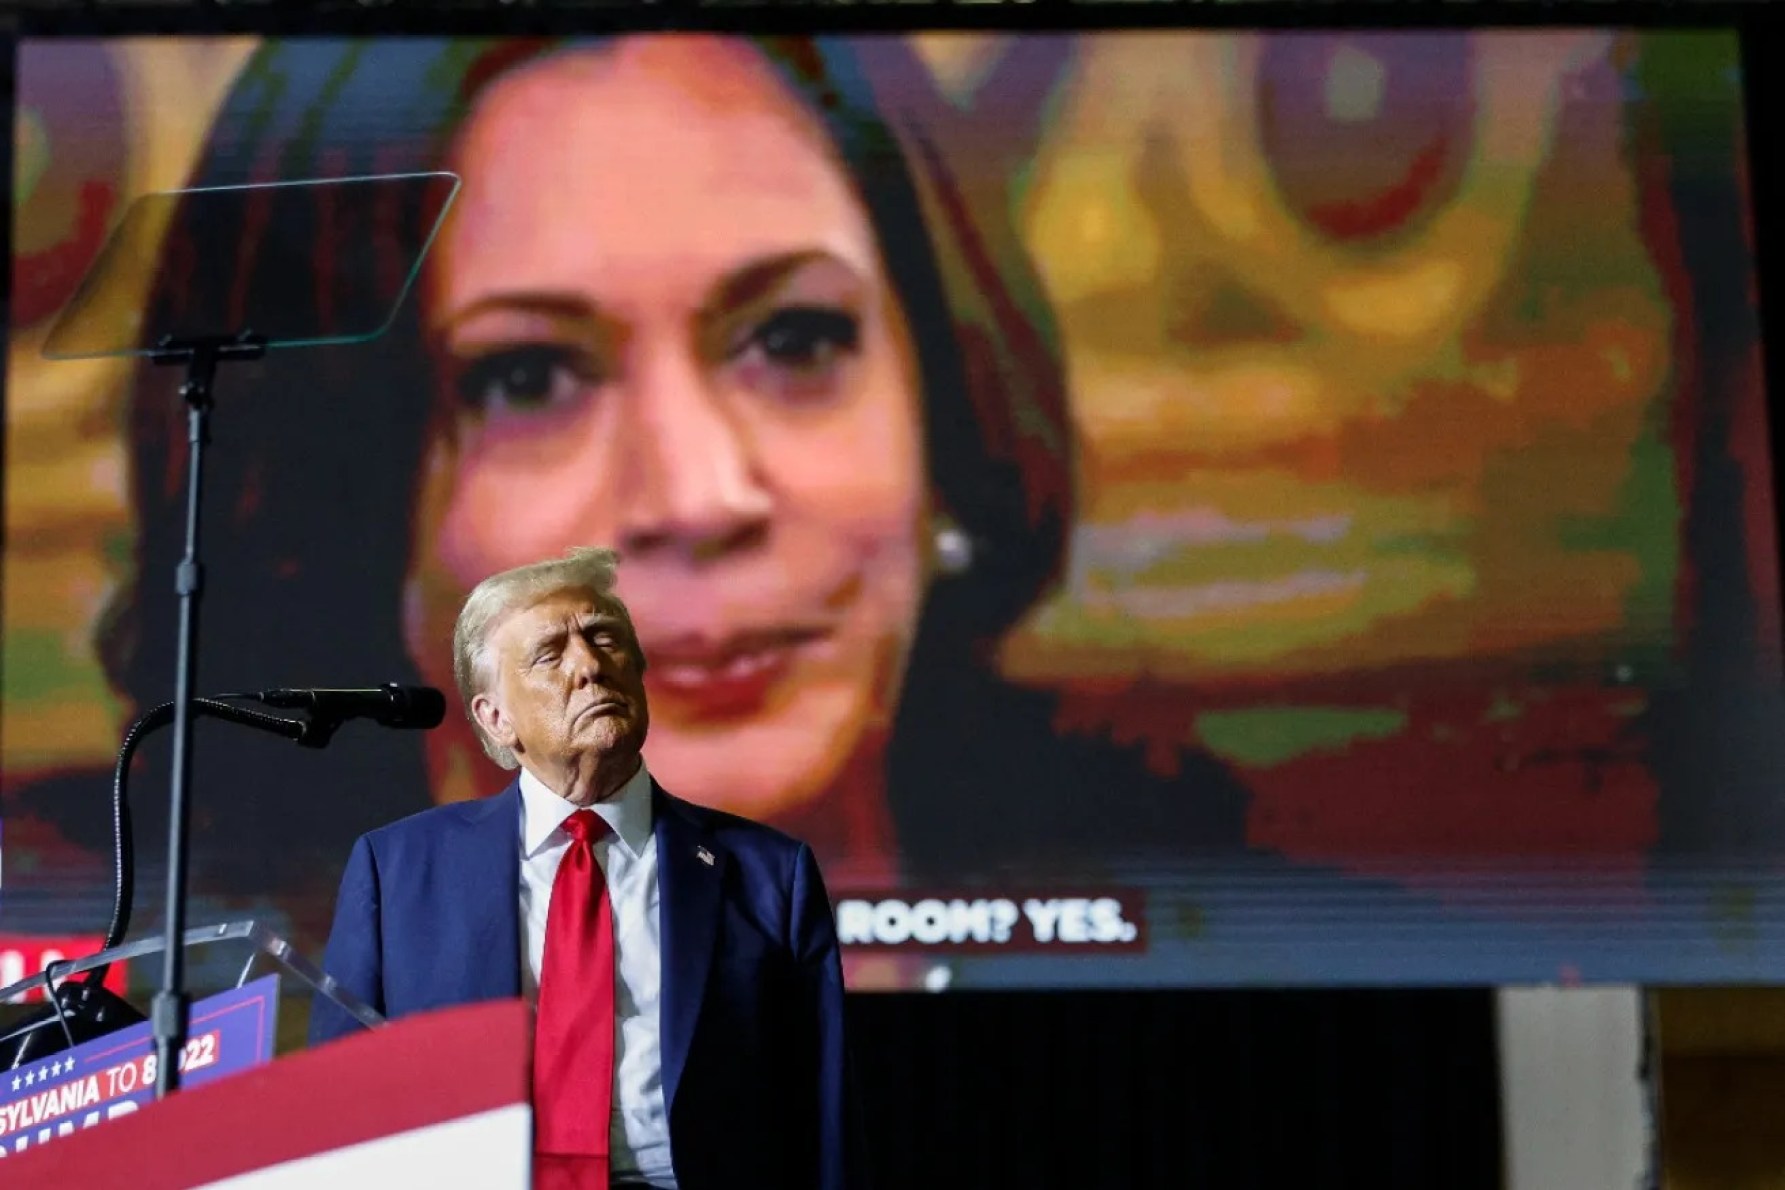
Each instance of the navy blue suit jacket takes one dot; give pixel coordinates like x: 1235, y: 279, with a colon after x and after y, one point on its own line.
x: 755, y: 1069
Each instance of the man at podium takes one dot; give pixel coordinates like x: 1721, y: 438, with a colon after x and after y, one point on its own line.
x: 684, y: 962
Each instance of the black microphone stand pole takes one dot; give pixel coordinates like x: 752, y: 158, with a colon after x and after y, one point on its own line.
x: 201, y: 356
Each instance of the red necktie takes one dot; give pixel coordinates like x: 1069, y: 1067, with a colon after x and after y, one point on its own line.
x: 573, y: 1033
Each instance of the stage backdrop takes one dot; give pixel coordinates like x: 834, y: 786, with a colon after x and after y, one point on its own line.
x: 1150, y: 508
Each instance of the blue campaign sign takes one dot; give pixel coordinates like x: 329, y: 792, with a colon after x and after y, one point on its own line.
x: 115, y: 1074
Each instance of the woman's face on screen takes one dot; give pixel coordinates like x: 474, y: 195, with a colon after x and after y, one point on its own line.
x: 660, y: 322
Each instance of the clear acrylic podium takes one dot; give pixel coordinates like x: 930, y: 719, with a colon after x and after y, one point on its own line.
x: 218, y: 958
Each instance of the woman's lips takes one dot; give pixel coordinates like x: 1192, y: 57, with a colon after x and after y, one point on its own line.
x: 729, y: 676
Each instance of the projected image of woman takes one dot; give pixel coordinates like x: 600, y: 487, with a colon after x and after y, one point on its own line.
x: 698, y: 301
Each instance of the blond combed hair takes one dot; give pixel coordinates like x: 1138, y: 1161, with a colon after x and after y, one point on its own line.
x: 585, y: 568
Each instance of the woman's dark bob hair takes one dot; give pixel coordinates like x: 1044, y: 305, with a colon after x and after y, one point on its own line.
x: 312, y: 479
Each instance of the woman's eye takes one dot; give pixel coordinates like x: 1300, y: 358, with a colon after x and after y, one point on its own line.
x: 520, y: 380
x: 804, y: 340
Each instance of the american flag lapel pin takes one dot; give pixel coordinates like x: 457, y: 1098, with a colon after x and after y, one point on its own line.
x: 706, y: 857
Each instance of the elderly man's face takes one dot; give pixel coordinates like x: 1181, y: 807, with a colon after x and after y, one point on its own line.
x: 568, y: 684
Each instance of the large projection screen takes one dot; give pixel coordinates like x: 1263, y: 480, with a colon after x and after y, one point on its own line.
x: 1148, y: 508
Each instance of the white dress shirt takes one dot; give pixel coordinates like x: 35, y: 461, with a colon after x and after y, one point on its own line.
x: 639, y: 1129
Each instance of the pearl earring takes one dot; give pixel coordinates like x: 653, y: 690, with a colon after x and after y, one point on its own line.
x: 954, y: 549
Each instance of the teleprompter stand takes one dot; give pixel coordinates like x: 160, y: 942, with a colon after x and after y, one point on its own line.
x: 248, y: 258
x: 172, y: 1005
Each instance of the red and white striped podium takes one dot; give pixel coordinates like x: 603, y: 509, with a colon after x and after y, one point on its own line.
x: 438, y: 1100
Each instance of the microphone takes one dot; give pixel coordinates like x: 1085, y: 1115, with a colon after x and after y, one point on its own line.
x: 419, y: 707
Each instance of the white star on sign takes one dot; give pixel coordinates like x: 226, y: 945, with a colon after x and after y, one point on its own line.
x: 29, y: 1078
x: 15, y: 1082
x: 42, y: 1075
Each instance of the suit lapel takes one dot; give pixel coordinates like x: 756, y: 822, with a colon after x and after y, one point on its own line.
x: 690, y: 874
x: 487, y: 895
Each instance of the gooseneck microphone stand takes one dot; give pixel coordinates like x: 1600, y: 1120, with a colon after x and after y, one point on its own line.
x: 200, y: 355
x: 84, y: 1010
